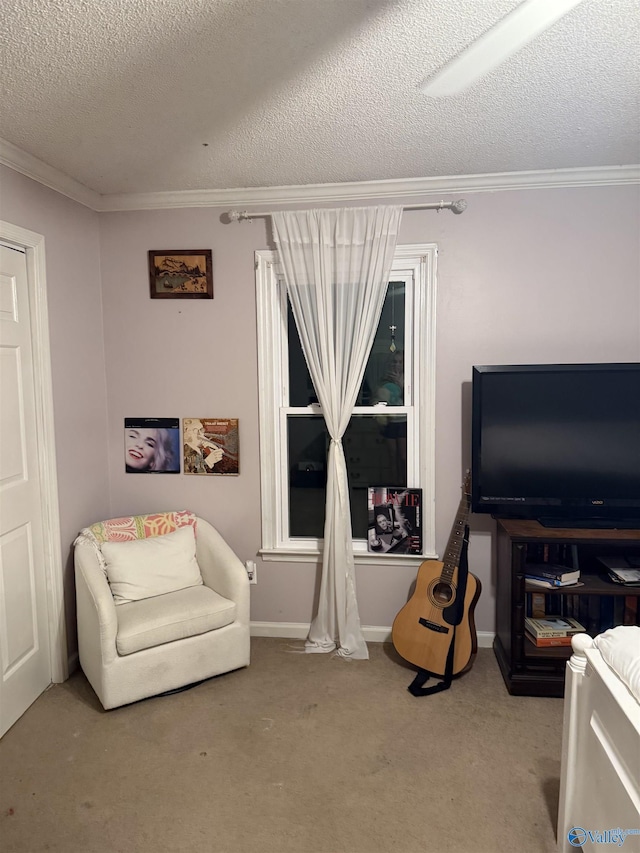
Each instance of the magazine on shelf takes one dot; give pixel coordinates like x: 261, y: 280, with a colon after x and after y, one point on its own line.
x: 621, y: 570
x: 395, y: 520
x: 553, y: 626
x: 627, y: 577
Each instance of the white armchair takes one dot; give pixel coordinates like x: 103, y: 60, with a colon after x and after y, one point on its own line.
x: 130, y: 651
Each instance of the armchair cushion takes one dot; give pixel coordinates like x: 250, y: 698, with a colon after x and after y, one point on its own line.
x: 144, y: 568
x: 173, y: 616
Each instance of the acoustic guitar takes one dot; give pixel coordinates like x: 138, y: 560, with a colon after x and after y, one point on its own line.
x: 423, y: 630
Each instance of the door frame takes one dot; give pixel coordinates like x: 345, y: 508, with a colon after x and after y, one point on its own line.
x: 33, y: 245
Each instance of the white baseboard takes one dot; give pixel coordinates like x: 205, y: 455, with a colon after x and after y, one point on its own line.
x: 289, y: 630
x: 485, y: 639
x: 371, y: 633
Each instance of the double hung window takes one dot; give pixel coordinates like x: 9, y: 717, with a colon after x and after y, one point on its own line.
x: 389, y: 440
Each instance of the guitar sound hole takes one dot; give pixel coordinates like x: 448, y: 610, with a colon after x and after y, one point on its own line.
x: 442, y: 593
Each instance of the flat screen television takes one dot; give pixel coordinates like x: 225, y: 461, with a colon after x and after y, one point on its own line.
x: 557, y: 442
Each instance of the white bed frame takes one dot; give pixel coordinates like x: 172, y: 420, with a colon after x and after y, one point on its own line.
x: 600, y: 774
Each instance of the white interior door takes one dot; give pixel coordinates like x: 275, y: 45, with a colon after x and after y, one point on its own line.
x: 25, y: 658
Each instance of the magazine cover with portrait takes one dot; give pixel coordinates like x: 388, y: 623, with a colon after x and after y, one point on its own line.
x: 152, y: 445
x: 395, y: 520
x: 210, y: 446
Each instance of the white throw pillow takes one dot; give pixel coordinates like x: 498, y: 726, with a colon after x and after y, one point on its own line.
x: 620, y: 648
x: 143, y: 568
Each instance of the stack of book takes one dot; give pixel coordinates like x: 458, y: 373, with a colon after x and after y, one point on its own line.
x: 552, y: 630
x: 549, y: 576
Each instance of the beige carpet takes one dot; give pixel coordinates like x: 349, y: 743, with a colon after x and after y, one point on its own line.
x: 296, y: 754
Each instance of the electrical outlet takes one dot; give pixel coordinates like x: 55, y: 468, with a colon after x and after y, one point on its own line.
x: 251, y: 571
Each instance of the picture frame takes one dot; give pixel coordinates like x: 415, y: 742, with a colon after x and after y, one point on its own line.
x: 181, y: 273
x: 152, y: 445
x: 211, y: 446
x: 395, y: 520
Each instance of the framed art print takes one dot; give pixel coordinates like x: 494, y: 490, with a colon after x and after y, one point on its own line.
x: 211, y: 446
x: 181, y: 274
x: 152, y: 445
x: 395, y: 520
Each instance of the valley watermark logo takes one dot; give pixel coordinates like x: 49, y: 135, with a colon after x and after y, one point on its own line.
x: 578, y: 837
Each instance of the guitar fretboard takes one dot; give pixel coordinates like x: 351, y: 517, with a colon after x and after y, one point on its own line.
x: 454, y: 546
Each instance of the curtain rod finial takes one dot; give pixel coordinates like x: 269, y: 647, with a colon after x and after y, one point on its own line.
x: 459, y: 206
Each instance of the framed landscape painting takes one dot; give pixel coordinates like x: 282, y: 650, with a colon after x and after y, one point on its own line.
x: 181, y: 274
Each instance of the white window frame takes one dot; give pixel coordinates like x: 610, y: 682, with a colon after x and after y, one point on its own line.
x: 416, y: 265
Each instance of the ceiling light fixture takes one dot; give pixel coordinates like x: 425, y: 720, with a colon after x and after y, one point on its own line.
x: 518, y: 28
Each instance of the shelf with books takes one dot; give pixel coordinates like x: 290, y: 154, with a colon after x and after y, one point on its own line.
x: 549, y: 653
x: 550, y: 632
x: 553, y: 627
x: 597, y: 610
x: 595, y: 601
x: 589, y: 584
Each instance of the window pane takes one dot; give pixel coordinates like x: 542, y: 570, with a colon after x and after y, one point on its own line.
x: 386, y: 354
x: 308, y: 447
x: 375, y: 451
x: 301, y: 391
x: 386, y: 359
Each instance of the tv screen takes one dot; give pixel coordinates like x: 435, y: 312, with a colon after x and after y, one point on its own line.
x: 558, y: 443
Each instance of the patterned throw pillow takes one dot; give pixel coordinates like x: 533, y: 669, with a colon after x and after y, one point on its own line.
x: 131, y: 527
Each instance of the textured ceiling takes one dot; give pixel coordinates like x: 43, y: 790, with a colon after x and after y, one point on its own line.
x: 135, y: 96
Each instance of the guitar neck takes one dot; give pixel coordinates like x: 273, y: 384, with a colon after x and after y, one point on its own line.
x: 454, y: 546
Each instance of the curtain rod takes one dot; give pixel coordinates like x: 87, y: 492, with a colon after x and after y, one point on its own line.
x: 454, y: 206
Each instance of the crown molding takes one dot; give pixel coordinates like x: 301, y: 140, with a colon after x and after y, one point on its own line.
x: 404, y: 188
x: 18, y: 160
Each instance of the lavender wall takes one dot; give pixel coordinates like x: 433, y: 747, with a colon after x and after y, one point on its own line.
x: 77, y: 354
x: 527, y: 276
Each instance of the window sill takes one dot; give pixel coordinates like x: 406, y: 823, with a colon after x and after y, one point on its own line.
x: 361, y: 558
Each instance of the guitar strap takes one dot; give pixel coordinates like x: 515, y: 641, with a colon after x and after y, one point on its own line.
x: 417, y: 688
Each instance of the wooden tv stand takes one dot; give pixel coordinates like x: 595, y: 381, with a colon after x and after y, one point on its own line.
x: 530, y: 671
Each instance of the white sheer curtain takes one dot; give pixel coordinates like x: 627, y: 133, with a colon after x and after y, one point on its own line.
x: 336, y: 265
